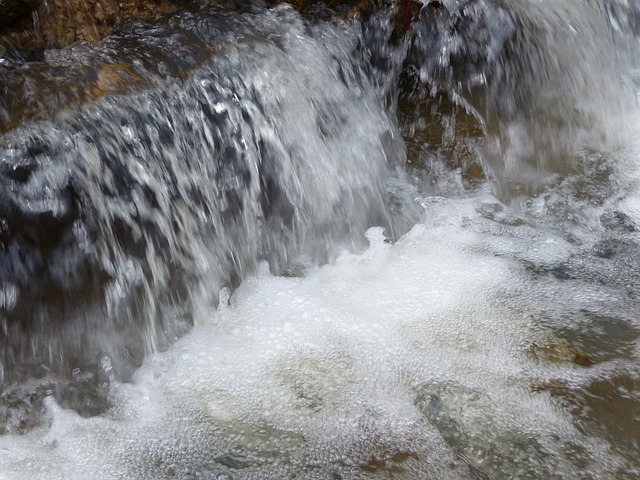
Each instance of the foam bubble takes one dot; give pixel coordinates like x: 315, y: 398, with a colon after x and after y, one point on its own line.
x: 410, y: 358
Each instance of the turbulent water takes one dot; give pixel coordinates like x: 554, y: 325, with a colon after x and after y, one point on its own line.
x: 247, y: 243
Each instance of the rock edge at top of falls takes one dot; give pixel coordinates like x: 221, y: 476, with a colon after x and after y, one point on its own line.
x: 32, y: 25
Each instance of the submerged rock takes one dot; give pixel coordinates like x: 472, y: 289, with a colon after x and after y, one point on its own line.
x: 561, y: 352
x: 606, y: 408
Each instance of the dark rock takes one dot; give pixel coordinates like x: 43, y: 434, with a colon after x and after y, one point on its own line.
x: 618, y: 222
x: 12, y: 10
x: 465, y: 44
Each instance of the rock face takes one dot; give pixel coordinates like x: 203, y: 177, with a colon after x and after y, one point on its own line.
x: 66, y: 21
x: 57, y: 23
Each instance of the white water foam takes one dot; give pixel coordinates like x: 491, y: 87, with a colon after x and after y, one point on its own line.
x: 408, y: 359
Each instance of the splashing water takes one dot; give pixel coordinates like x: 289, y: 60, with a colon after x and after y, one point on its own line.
x: 217, y: 186
x: 179, y: 192
x: 544, y: 78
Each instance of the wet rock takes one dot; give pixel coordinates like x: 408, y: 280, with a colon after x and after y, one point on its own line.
x: 305, y: 6
x: 404, y: 11
x: 462, y: 41
x: 613, y: 248
x: 608, y: 408
x: 22, y: 408
x: 107, y: 205
x: 436, y: 123
x: 35, y: 87
x: 618, y: 222
x: 58, y: 23
x: 389, y: 464
x: 507, y: 62
x: 65, y: 21
x: 129, y: 61
x: 465, y: 418
x: 12, y: 10
x: 51, y: 274
x: 561, y: 352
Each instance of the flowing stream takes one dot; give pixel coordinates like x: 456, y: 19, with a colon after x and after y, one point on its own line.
x: 249, y: 243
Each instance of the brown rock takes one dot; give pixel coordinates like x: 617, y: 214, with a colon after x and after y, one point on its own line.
x: 58, y: 23
x: 561, y: 352
x: 64, y: 21
x: 47, y: 90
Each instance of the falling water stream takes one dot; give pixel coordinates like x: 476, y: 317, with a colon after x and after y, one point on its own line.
x: 249, y: 243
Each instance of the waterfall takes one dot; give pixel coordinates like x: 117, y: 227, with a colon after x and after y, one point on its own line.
x: 246, y: 242
x: 544, y: 78
x: 130, y: 206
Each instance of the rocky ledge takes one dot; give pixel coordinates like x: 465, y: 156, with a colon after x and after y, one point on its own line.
x: 44, y: 24
x: 32, y: 25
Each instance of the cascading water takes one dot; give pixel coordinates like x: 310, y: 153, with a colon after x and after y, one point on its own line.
x: 544, y: 78
x: 178, y: 190
x: 186, y: 288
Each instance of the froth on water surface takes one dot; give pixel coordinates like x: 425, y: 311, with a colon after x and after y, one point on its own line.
x: 414, y: 359
x: 483, y: 327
